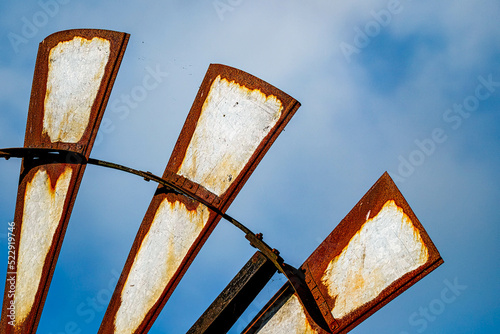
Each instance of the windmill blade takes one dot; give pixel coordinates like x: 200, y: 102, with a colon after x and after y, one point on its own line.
x: 375, y: 253
x: 233, y: 122
x: 74, y: 74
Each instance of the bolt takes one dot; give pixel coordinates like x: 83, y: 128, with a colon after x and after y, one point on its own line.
x: 259, y: 236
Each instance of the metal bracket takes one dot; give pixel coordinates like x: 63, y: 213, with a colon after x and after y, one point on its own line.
x: 320, y: 299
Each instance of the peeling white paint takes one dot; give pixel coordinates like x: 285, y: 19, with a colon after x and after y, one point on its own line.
x: 290, y: 319
x: 76, y: 69
x: 384, y: 249
x: 43, y: 209
x: 233, y: 122
x: 173, y: 231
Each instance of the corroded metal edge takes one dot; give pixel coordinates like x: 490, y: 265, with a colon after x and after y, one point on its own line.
x: 251, y: 82
x: 369, y: 206
x: 290, y: 106
x: 35, y: 138
x: 307, y: 296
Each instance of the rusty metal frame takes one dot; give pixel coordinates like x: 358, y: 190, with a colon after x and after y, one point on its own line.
x: 221, y: 203
x: 315, y: 266
x: 181, y: 186
x: 37, y: 138
x: 173, y: 182
x: 54, y: 157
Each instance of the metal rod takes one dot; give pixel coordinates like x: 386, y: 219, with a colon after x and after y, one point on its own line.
x: 75, y: 157
x: 295, y: 277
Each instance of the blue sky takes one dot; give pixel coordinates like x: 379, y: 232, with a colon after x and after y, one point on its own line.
x: 381, y: 85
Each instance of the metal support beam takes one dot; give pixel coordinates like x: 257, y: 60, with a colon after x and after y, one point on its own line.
x: 236, y: 297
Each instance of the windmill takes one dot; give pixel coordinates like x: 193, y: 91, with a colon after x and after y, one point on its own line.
x: 378, y: 251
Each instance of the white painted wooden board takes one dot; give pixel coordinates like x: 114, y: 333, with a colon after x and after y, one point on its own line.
x: 43, y: 209
x: 233, y: 122
x: 386, y: 247
x: 76, y: 69
x: 172, y: 232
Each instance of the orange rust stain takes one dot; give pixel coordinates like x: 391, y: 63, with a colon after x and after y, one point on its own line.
x: 173, y: 230
x: 75, y: 71
x: 385, y: 248
x: 233, y: 121
x: 289, y: 319
x: 42, y: 212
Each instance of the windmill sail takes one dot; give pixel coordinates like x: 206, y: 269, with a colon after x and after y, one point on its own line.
x: 74, y: 74
x: 233, y: 121
x: 376, y: 252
